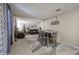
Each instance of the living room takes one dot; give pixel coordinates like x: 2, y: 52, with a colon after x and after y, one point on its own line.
x: 40, y: 29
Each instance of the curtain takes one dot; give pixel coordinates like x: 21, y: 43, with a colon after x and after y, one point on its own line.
x: 5, y: 28
x: 9, y: 27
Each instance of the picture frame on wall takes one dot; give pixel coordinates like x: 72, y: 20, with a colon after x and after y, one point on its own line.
x: 55, y: 22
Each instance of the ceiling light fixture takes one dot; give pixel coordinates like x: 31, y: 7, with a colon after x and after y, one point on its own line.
x: 58, y: 10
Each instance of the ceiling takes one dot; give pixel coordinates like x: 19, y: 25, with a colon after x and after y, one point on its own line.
x: 41, y: 10
x: 30, y: 21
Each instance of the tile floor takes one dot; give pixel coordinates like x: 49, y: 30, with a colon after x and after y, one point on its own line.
x: 22, y: 46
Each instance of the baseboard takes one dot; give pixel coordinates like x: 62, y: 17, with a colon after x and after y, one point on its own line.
x: 67, y: 44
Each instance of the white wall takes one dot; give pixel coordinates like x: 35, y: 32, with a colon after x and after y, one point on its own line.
x: 41, y: 25
x: 68, y: 27
x: 29, y: 22
x: 48, y: 26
